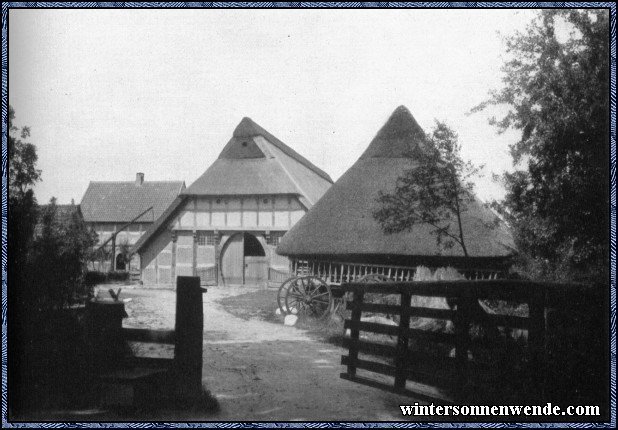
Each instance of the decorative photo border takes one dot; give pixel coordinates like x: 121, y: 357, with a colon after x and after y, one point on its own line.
x: 473, y: 5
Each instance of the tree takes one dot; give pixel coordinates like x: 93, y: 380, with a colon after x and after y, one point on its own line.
x: 557, y: 94
x: 436, y: 191
x: 21, y: 217
x: 22, y: 206
x: 60, y: 256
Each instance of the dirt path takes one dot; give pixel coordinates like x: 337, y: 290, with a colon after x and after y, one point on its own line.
x: 261, y: 371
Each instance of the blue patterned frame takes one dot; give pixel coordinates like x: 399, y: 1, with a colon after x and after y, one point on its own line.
x: 611, y: 6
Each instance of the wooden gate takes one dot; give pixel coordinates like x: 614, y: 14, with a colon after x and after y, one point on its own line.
x: 456, y: 363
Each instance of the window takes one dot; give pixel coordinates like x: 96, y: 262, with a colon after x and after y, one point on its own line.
x: 275, y: 238
x: 205, y: 239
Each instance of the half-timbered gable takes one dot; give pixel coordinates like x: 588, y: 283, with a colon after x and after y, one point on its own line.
x: 226, y: 225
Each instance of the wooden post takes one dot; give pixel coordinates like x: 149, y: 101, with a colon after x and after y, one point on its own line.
x: 189, y: 336
x: 536, y: 342
x: 194, y: 256
x: 357, y: 301
x: 462, y: 340
x: 113, y: 265
x: 401, y: 362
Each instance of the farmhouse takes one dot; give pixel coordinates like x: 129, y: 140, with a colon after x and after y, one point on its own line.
x: 341, y: 227
x: 107, y: 207
x: 225, y: 226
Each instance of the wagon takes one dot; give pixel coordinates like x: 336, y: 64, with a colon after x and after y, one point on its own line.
x: 314, y: 289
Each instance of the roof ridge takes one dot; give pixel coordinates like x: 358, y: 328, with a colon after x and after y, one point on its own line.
x: 249, y: 128
x: 400, y: 137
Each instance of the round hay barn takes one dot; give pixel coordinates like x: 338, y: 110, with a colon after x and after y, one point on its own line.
x: 341, y: 227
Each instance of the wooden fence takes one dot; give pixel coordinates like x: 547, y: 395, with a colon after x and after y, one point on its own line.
x: 452, y: 363
x: 144, y: 373
x: 276, y: 276
x: 207, y: 275
x: 334, y: 272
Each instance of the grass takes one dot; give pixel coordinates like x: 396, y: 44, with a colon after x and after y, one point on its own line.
x: 262, y: 305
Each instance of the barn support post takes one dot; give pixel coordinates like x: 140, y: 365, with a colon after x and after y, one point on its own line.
x: 174, y: 250
x: 217, y: 240
x: 194, y: 257
x: 189, y: 337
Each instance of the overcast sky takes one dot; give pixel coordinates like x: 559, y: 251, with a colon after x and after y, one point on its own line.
x: 108, y: 93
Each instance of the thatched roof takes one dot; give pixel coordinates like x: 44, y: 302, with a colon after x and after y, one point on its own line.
x: 341, y: 224
x: 254, y: 162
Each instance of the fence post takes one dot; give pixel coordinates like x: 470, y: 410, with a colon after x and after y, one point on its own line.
x: 189, y: 336
x: 536, y: 341
x: 462, y: 340
x: 402, y: 343
x: 355, y: 332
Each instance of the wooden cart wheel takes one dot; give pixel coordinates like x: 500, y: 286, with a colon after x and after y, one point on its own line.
x: 283, y: 292
x: 309, y: 296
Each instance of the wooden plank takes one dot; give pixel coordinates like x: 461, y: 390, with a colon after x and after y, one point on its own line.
x: 370, y: 326
x: 432, y: 336
x: 421, y: 393
x: 152, y: 362
x: 370, y: 347
x: 372, y: 366
x: 375, y: 308
x: 508, y: 321
x: 488, y: 289
x: 149, y: 336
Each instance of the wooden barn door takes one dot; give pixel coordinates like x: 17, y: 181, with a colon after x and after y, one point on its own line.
x: 232, y: 260
x: 256, y: 265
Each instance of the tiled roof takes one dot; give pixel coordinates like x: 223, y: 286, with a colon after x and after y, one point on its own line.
x: 123, y: 201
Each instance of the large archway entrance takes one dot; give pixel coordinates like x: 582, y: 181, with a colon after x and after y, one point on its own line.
x: 243, y: 260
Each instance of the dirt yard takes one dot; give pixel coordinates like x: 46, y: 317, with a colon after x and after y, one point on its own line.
x: 265, y: 371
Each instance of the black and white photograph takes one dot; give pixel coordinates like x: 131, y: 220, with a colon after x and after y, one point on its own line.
x: 299, y: 213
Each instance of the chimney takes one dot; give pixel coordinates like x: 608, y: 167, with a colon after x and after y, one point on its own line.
x: 139, y: 179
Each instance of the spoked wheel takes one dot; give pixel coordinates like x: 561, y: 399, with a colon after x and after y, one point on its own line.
x: 309, y: 296
x: 282, y: 294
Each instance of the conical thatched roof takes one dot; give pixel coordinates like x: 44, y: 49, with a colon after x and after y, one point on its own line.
x: 341, y: 224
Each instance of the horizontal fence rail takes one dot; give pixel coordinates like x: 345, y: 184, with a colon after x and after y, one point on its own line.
x: 451, y: 360
x: 167, y: 337
x: 277, y: 276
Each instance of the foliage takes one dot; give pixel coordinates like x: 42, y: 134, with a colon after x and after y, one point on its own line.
x: 436, y: 191
x: 124, y: 248
x: 22, y: 205
x: 556, y: 91
x: 60, y: 255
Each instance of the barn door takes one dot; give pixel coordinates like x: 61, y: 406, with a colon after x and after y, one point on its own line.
x: 232, y: 260
x: 255, y: 261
